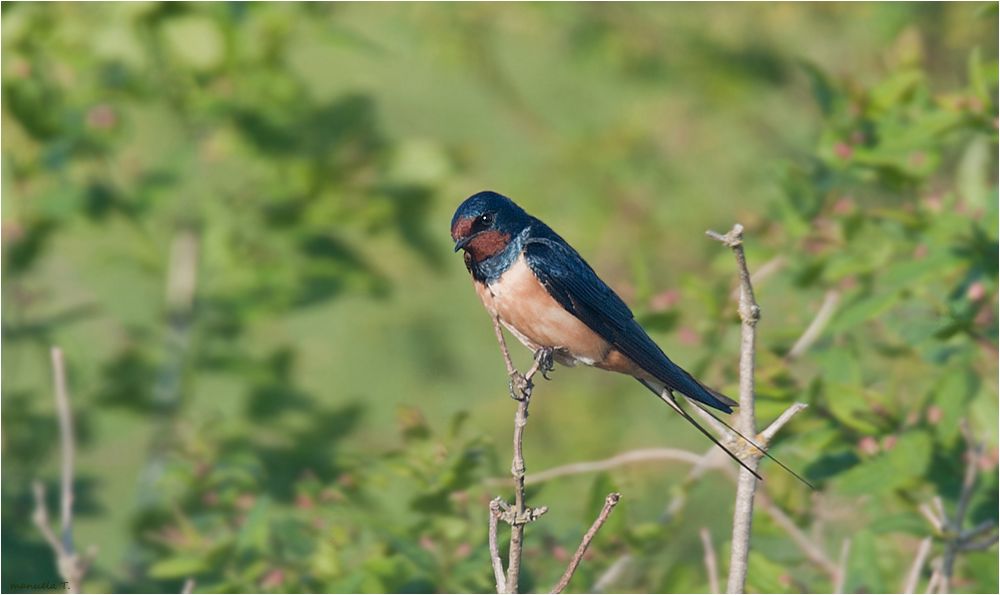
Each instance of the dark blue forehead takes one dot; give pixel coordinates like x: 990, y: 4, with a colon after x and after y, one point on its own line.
x: 488, y: 201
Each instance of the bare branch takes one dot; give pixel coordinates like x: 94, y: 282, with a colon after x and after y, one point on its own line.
x: 67, y: 441
x: 609, y: 505
x: 763, y: 272
x: 954, y: 525
x: 841, y: 578
x: 815, y: 328
x: 711, y: 566
x: 768, y: 434
x: 725, y: 436
x: 189, y: 585
x: 809, y: 548
x: 516, y: 522
x: 519, y: 515
x: 913, y: 576
x: 498, y: 575
x: 746, y: 418
x: 932, y: 517
x: 511, y: 370
x: 935, y: 581
x: 713, y: 458
x: 640, y: 455
x: 40, y: 517
x: 72, y: 566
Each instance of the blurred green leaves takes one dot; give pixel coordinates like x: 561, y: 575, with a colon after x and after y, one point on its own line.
x: 307, y: 152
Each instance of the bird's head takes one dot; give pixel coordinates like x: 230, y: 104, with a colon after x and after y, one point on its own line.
x: 485, y: 223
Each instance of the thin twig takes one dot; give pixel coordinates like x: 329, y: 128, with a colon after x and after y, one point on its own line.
x: 520, y: 515
x: 815, y: 328
x: 954, y: 525
x: 67, y: 441
x: 498, y: 330
x: 931, y: 517
x: 841, y: 579
x: 517, y: 469
x: 746, y: 418
x: 913, y: 576
x: 763, y: 272
x: 639, y: 455
x: 498, y: 575
x: 713, y: 458
x: 71, y: 565
x: 768, y: 434
x: 609, y: 505
x: 935, y: 580
x: 711, y: 565
x: 189, y: 585
x: 982, y: 536
x: 809, y: 548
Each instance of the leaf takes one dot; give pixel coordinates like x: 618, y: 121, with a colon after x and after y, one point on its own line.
x: 824, y: 92
x: 866, y: 307
x: 179, y: 567
x: 863, y: 572
x: 255, y: 532
x: 195, y: 40
x: 766, y: 576
x: 904, y: 522
x: 952, y: 396
x: 899, y: 467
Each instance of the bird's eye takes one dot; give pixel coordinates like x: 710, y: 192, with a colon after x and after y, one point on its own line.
x: 486, y: 218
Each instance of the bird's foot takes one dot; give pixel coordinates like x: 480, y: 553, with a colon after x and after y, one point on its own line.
x: 544, y: 361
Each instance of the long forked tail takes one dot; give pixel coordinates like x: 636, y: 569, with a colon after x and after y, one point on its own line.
x: 667, y: 396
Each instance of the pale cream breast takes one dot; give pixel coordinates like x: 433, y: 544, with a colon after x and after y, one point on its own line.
x: 532, y: 315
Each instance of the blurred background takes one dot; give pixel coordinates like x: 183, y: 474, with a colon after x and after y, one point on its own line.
x: 233, y: 218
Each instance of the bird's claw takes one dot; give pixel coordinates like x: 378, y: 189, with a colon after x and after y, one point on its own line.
x: 545, y: 362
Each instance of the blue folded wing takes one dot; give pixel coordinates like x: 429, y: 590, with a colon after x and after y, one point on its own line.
x: 570, y: 280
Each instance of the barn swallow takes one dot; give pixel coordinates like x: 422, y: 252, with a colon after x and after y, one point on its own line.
x: 547, y: 296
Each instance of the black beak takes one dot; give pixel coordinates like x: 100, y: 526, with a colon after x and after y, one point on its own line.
x: 462, y: 242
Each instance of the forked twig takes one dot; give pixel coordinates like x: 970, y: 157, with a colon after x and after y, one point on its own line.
x: 519, y: 515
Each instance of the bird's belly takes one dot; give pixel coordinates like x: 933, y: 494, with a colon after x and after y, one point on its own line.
x: 527, y: 310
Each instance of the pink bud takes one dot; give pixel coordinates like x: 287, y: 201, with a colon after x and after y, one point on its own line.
x: 688, y: 336
x: 273, y: 579
x: 245, y: 501
x: 843, y: 150
x: 868, y: 445
x: 843, y: 206
x: 560, y: 553
x: 102, y: 117
x: 427, y: 543
x: 664, y: 300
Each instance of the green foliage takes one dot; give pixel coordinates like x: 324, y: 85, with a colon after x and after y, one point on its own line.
x: 232, y: 217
